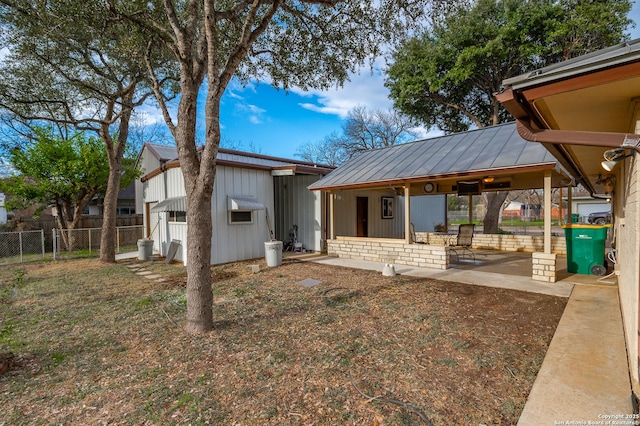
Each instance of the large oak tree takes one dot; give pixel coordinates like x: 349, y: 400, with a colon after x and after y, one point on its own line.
x: 307, y: 44
x: 75, y: 65
x: 447, y: 76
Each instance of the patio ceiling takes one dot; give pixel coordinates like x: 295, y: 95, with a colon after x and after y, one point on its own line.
x: 495, y: 157
x: 579, y: 108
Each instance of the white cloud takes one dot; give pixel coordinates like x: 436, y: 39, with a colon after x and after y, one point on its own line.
x: 364, y: 88
x: 255, y: 113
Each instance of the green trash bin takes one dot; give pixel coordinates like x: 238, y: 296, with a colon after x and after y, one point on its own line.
x: 585, y: 248
x: 575, y: 218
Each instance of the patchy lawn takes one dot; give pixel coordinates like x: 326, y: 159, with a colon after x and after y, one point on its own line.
x: 97, y: 344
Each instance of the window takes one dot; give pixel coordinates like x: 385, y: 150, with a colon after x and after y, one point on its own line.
x: 178, y: 217
x: 237, y: 217
x: 125, y: 210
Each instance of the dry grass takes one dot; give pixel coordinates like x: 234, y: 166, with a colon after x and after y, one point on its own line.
x: 97, y: 344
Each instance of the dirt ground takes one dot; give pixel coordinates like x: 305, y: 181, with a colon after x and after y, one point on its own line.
x: 98, y: 344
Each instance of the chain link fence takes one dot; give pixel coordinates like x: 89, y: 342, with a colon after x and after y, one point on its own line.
x: 69, y: 243
x: 23, y: 246
x: 28, y: 246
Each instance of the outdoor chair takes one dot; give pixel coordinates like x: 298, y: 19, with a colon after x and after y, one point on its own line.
x: 463, y: 241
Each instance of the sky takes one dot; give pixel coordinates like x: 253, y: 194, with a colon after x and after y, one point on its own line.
x: 262, y: 119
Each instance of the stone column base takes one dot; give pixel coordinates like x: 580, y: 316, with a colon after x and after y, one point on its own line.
x: 544, y: 267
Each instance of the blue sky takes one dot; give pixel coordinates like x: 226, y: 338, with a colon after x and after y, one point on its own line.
x: 275, y: 122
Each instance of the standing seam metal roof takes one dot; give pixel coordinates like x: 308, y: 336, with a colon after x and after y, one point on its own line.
x: 487, y: 149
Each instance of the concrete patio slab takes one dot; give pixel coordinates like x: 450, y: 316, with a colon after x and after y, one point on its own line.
x: 584, y: 377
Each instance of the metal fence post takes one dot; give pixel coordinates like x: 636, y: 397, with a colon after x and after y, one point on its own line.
x: 20, y: 243
x: 89, y: 231
x: 42, y: 241
x: 55, y: 242
x: 117, y: 239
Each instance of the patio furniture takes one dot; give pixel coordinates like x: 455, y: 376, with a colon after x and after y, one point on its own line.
x: 464, y: 240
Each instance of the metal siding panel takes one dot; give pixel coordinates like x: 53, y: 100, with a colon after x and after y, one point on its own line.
x: 177, y: 231
x: 240, y: 242
x: 175, y: 183
x: 427, y: 211
x: 345, y: 215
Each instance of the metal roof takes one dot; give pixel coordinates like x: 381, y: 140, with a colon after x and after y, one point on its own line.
x: 622, y: 53
x: 168, y: 154
x: 163, y: 152
x: 487, y: 150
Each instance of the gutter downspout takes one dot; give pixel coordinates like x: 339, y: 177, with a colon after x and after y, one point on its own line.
x: 575, y: 137
x: 556, y: 139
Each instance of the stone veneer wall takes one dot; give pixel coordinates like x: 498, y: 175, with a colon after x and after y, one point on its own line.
x: 544, y: 267
x: 504, y: 242
x: 388, y: 250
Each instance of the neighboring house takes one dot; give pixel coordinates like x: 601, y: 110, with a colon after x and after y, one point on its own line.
x: 584, y: 206
x: 256, y: 198
x: 586, y: 112
x: 512, y: 210
x: 126, y: 204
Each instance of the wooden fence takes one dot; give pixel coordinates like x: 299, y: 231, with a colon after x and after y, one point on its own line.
x: 47, y: 223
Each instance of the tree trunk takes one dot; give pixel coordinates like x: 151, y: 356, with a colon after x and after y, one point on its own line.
x: 494, y: 205
x: 108, y: 234
x: 62, y: 225
x: 115, y: 153
x: 199, y: 292
x: 198, y: 170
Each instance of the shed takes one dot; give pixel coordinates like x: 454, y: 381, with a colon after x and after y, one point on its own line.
x: 256, y: 198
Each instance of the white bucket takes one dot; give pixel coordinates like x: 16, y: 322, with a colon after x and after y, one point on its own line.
x: 273, y: 253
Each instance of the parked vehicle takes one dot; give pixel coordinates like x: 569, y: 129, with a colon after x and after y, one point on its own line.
x: 599, y: 218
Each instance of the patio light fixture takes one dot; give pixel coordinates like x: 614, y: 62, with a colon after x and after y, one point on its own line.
x: 488, y: 179
x: 612, y: 157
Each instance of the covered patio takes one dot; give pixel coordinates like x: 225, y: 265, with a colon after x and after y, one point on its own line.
x: 484, y: 160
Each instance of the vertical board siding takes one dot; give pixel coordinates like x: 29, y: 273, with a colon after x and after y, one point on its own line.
x: 627, y: 238
x: 427, y: 211
x: 297, y: 205
x: 345, y: 214
x: 246, y: 241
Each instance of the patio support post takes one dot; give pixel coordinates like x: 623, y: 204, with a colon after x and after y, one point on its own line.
x: 407, y: 214
x: 332, y: 232
x: 547, y: 211
x: 569, y: 204
x: 470, y: 208
x: 544, y: 265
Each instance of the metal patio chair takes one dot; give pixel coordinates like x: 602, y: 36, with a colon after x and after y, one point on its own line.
x: 464, y: 241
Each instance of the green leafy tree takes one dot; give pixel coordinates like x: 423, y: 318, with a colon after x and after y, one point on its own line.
x: 78, y: 67
x: 64, y: 173
x: 447, y: 76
